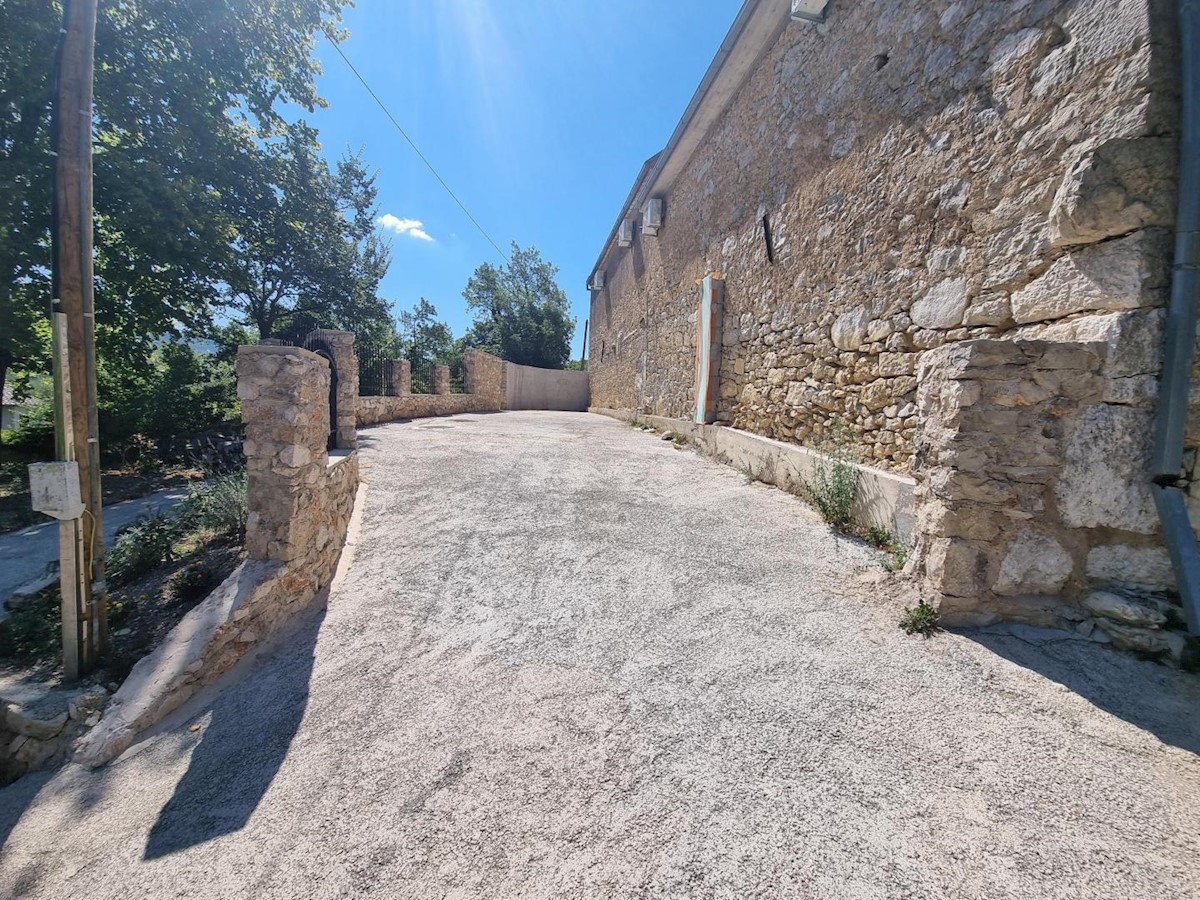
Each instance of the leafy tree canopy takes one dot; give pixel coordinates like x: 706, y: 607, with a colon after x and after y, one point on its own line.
x: 520, y: 311
x: 206, y: 199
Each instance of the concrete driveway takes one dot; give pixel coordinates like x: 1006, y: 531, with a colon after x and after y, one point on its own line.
x: 569, y: 660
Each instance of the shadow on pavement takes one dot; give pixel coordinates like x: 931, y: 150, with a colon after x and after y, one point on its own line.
x: 1151, y: 696
x: 18, y: 797
x: 250, y: 727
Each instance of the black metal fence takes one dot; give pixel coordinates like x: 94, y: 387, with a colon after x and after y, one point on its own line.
x: 458, y: 376
x: 421, y: 377
x: 372, y: 369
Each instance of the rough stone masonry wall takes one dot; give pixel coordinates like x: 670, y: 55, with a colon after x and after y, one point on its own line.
x: 300, y: 499
x: 932, y: 172
x: 485, y: 392
x: 1024, y: 511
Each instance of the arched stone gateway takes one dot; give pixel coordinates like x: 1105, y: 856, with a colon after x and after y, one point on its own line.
x: 323, y: 349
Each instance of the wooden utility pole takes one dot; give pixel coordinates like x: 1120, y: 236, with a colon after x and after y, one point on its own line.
x: 81, y: 541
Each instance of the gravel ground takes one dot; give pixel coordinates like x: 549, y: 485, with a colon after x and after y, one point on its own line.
x: 570, y: 660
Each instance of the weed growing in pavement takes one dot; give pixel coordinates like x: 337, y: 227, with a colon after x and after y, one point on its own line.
x: 895, y: 554
x: 833, y: 487
x: 896, y: 558
x: 878, y: 537
x: 921, y: 619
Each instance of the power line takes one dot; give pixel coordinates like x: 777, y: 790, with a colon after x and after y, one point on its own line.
x: 417, y: 150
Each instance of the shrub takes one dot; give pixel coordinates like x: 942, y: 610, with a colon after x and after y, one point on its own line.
x: 141, y: 546
x: 35, y: 434
x: 33, y: 630
x: 921, y: 619
x: 834, y: 484
x: 193, y: 582
x: 217, y: 505
x: 879, y: 538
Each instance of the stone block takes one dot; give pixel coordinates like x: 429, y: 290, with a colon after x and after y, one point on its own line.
x: 1122, y: 185
x: 1118, y: 608
x: 1169, y: 646
x: 849, y: 331
x: 942, y: 306
x: 1035, y: 563
x: 1104, y: 482
x: 1128, y: 273
x: 1122, y: 564
x: 957, y: 567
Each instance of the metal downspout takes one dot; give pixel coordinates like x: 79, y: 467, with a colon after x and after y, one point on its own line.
x: 1175, y: 386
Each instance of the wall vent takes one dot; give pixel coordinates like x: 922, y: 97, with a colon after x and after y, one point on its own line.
x: 625, y: 234
x: 652, y: 216
x: 809, y: 10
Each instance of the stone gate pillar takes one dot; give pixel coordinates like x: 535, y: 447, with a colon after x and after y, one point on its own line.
x: 398, y: 375
x: 285, y: 405
x: 441, y: 379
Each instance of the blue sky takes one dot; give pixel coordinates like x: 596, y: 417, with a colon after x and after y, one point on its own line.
x: 538, y: 113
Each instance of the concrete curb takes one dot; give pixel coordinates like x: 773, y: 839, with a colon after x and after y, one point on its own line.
x: 885, y: 499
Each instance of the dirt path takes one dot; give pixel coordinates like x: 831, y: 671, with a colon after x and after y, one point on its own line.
x: 571, y: 660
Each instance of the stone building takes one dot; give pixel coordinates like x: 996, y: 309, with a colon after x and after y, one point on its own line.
x: 883, y: 192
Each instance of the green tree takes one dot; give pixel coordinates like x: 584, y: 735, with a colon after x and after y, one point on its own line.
x: 520, y: 311
x: 306, y: 250
x: 28, y: 30
x: 185, y: 91
x: 426, y: 341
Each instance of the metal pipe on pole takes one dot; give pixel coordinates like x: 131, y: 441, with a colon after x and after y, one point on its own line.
x: 73, y: 323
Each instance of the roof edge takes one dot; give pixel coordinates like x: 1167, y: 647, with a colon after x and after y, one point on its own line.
x: 754, y: 30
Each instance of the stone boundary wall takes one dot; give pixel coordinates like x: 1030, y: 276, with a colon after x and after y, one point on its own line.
x: 485, y: 392
x: 884, y: 499
x: 910, y: 177
x: 931, y: 172
x: 1033, y: 499
x: 300, y: 499
x: 530, y: 387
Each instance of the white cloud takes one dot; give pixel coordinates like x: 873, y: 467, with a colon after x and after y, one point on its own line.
x: 412, y: 227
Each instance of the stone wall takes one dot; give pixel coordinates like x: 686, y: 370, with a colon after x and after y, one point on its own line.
x: 41, y: 731
x: 485, y: 384
x: 931, y: 172
x: 300, y: 498
x: 935, y: 175
x: 1034, y: 501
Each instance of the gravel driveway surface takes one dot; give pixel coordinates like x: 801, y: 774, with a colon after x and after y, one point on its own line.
x: 570, y: 660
